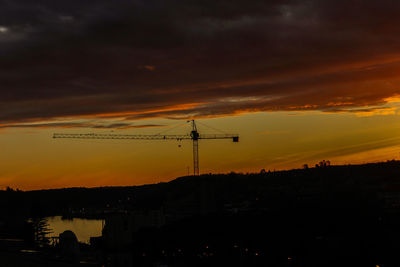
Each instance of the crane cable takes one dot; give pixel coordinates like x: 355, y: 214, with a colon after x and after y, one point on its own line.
x: 170, y: 129
x: 215, y: 129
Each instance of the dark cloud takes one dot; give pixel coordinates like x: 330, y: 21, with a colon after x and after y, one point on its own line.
x: 149, y: 58
x: 94, y: 125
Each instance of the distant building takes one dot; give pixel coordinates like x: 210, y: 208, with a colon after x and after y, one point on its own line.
x: 391, y: 198
x: 119, y: 229
x: 199, y: 201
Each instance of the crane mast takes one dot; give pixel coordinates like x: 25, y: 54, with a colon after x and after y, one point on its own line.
x: 194, y: 135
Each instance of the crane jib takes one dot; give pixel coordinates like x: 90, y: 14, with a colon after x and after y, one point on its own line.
x: 194, y: 135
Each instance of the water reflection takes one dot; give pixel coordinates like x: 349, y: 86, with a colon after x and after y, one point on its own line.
x: 83, y: 228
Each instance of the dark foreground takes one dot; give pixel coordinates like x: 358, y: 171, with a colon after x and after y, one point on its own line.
x: 327, y: 216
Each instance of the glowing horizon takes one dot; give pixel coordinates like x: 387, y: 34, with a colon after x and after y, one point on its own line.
x: 280, y: 140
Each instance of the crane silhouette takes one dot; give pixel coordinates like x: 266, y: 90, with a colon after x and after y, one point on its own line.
x: 194, y: 135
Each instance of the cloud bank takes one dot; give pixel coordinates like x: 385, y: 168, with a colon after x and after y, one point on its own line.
x: 183, y: 58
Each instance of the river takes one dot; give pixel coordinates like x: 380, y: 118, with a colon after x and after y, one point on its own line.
x: 83, y: 228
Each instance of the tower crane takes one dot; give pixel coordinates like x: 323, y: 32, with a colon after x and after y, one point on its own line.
x: 194, y: 135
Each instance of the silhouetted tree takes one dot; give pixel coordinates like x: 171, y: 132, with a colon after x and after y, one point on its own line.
x: 9, y: 189
x: 41, y: 230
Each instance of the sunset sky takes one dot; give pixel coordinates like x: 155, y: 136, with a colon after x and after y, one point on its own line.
x: 300, y: 81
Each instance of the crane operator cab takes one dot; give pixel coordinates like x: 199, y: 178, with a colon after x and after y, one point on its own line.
x: 235, y: 139
x: 194, y: 135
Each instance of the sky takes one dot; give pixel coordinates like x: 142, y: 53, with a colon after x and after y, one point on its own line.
x: 299, y: 81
